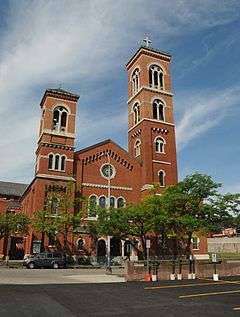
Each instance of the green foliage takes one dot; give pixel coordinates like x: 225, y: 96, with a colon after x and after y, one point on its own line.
x: 194, y: 205
x: 12, y: 224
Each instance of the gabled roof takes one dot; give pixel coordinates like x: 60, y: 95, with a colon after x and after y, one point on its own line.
x: 59, y: 93
x: 150, y: 50
x: 99, y: 144
x: 107, y: 141
x: 12, y: 189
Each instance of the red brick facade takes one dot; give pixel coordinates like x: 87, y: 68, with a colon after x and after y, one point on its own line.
x: 134, y: 170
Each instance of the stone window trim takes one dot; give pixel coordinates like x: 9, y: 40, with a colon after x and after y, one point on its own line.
x: 60, y: 119
x: 195, y: 243
x: 113, y: 170
x: 156, y: 76
x: 158, y: 110
x: 161, y: 176
x: 137, y: 147
x: 136, y: 112
x: 160, y: 144
x: 83, y: 243
x: 57, y: 162
x: 97, y: 203
x: 135, y: 80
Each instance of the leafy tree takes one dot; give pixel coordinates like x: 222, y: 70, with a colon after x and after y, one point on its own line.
x: 12, y: 224
x: 60, y: 214
x: 45, y: 223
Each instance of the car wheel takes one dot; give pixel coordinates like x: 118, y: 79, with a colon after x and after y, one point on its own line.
x: 31, y: 265
x: 55, y: 265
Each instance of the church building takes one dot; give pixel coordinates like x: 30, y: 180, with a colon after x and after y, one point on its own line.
x: 105, y: 173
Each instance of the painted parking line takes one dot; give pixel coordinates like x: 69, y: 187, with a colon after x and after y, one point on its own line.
x: 190, y: 285
x: 210, y: 294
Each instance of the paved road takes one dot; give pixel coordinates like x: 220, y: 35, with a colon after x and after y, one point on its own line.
x: 202, y: 298
x: 61, y: 276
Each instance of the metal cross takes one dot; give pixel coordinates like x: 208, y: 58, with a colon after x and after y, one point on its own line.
x: 147, y: 41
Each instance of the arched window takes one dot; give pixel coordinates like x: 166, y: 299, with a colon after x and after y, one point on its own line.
x: 56, y: 164
x: 54, y: 205
x: 136, y: 111
x: 120, y: 202
x: 102, y: 202
x: 135, y: 81
x: 156, y: 77
x: 80, y: 244
x: 137, y: 148
x: 60, y: 119
x: 158, y: 110
x: 161, y: 175
x: 112, y: 202
x: 92, y: 208
x: 160, y: 145
x: 50, y: 161
x: 63, y: 160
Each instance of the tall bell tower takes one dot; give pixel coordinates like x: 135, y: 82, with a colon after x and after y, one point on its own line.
x: 151, y: 129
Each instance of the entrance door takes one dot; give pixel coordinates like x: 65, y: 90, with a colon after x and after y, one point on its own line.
x: 101, y: 251
x: 16, y: 251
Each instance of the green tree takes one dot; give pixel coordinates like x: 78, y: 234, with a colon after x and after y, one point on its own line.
x: 13, y: 224
x: 45, y: 223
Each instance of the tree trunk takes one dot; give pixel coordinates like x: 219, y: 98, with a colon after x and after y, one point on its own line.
x: 188, y: 246
x: 175, y: 248
x: 143, y: 241
x: 43, y: 242
x: 8, y: 248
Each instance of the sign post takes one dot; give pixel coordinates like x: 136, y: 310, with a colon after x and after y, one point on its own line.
x: 214, y: 261
x: 190, y: 275
x: 148, y: 275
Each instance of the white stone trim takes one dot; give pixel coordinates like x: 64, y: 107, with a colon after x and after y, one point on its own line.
x: 162, y: 91
x: 52, y: 132
x: 114, y: 171
x: 146, y: 187
x: 164, y: 175
x: 106, y: 186
x: 162, y: 162
x: 46, y: 157
x: 65, y: 178
x: 151, y: 120
x: 60, y: 99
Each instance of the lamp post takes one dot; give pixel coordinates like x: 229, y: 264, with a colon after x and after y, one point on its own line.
x: 108, y: 207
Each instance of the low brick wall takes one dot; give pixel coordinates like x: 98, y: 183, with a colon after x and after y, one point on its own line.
x: 134, y: 271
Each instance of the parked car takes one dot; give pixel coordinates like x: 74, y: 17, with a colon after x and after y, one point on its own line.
x: 46, y: 259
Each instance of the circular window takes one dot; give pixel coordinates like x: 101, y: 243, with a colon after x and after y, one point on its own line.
x: 108, y: 171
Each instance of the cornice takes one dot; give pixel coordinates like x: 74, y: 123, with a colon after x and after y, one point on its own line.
x: 151, y: 120
x: 163, y: 92
x: 106, y: 186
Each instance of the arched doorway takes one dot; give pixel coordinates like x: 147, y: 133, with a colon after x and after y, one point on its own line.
x: 115, y: 249
x: 101, y: 251
x: 127, y: 248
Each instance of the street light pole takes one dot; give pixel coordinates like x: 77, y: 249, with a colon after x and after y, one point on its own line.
x: 108, y: 207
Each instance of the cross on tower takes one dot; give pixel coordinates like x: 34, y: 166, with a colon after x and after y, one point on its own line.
x: 147, y: 41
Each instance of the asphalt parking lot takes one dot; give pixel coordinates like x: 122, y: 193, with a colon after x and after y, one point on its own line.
x: 175, y: 298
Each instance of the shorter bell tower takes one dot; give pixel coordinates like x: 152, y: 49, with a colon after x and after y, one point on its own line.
x: 151, y: 128
x: 55, y: 150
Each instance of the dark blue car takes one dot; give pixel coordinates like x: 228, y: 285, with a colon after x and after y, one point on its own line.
x: 45, y: 260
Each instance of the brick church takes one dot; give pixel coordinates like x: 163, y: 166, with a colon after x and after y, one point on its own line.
x: 105, y: 173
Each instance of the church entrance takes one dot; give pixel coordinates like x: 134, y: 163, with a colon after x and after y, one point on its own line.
x: 16, y: 251
x: 115, y: 247
x: 101, y: 251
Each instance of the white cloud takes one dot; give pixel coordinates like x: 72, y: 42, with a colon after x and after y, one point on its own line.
x: 203, y: 111
x: 48, y: 42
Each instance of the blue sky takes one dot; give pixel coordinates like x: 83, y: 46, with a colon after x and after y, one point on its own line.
x: 84, y: 46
